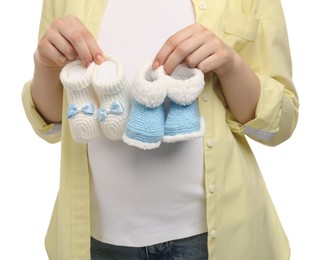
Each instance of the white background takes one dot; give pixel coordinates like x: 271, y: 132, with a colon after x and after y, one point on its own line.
x: 30, y: 167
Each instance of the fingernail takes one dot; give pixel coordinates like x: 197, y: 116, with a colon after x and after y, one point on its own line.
x: 155, y: 65
x: 167, y: 72
x: 99, y: 59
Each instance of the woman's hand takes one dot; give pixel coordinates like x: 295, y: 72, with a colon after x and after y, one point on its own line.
x: 197, y: 47
x: 65, y: 40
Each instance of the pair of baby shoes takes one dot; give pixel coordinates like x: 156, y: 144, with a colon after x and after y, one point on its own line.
x: 98, y: 99
x: 148, y: 123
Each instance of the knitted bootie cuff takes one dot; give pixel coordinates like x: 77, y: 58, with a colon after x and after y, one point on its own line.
x: 185, y: 84
x: 111, y: 88
x: 149, y: 87
x: 104, y: 86
x: 71, y: 82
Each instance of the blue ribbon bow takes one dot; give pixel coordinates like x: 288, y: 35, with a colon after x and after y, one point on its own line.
x: 116, y: 108
x: 87, y: 109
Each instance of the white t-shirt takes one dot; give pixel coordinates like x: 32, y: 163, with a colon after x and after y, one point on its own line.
x: 138, y: 197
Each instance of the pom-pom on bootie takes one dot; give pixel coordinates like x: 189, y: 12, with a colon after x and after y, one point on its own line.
x: 183, y: 121
x: 111, y: 87
x: 76, y: 81
x: 145, y: 126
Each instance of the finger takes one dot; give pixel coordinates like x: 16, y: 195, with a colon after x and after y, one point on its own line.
x: 79, y: 44
x: 85, y: 35
x: 95, y: 50
x: 211, y: 63
x: 170, y: 45
x: 181, y: 52
x: 61, y: 44
x: 49, y: 56
x: 200, y: 54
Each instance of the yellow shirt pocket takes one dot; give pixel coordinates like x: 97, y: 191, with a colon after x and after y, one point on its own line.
x: 238, y: 30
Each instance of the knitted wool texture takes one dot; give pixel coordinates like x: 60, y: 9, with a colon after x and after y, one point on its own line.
x: 183, y: 120
x: 76, y: 81
x: 145, y: 126
x: 111, y: 91
x: 183, y: 123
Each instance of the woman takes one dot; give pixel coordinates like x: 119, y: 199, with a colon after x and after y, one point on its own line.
x: 198, y: 199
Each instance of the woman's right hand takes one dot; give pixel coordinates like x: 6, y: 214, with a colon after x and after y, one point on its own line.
x: 65, y: 40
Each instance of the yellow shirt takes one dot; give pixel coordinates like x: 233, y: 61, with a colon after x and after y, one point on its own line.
x: 241, y: 219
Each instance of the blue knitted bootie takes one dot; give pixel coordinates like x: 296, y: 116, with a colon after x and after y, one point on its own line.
x: 183, y: 121
x: 145, y: 125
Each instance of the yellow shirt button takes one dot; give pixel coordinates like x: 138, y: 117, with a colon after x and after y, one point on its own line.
x: 213, y: 233
x: 210, y: 143
x: 205, y: 97
x: 212, y: 188
x: 202, y: 5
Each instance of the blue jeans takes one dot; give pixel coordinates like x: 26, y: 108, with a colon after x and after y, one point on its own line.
x: 191, y: 248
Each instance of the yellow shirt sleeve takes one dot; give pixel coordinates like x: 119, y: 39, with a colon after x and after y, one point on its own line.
x: 269, y: 56
x: 49, y: 132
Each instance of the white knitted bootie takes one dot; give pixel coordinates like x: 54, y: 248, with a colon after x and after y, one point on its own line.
x: 76, y: 81
x: 111, y: 87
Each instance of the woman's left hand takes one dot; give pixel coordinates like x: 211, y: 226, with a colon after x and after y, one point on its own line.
x: 196, y: 46
x: 199, y: 47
